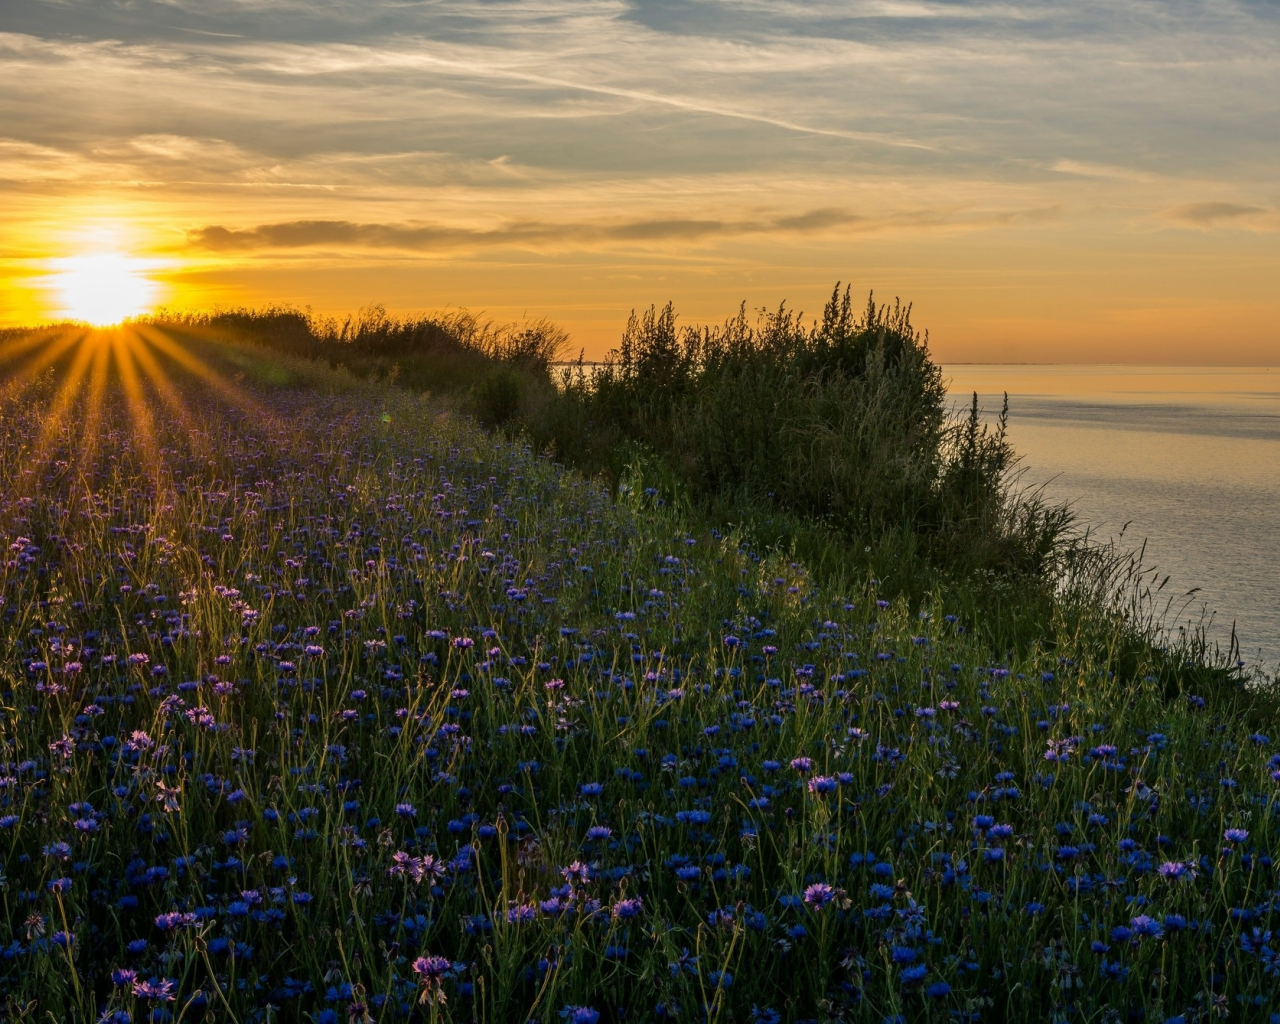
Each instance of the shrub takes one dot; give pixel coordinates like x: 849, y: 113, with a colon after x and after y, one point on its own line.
x: 844, y: 422
x: 495, y: 397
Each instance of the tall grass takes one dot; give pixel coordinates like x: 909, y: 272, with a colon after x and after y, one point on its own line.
x: 493, y: 365
x: 321, y: 704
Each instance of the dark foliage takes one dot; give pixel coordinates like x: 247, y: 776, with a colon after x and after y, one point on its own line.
x: 843, y: 422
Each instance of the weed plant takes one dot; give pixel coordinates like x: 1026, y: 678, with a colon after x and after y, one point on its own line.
x: 320, y: 703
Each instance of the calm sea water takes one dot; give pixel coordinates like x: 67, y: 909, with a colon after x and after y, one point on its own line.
x: 1188, y: 457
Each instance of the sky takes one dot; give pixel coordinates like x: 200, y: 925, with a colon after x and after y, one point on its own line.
x: 1044, y: 181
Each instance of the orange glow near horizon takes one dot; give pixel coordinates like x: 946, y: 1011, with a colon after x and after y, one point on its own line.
x: 1043, y: 184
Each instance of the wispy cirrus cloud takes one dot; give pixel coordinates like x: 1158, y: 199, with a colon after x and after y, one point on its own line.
x: 610, y: 140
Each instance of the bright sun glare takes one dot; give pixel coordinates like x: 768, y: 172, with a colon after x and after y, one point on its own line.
x: 103, y: 288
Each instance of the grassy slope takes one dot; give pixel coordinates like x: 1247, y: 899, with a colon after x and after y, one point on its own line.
x: 406, y: 521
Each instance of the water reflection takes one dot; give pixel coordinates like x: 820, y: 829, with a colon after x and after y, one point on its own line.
x: 1188, y: 456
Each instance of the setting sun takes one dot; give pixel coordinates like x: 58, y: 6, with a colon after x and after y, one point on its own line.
x: 103, y: 288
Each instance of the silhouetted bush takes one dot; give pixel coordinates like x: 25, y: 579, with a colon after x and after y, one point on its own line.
x: 843, y: 422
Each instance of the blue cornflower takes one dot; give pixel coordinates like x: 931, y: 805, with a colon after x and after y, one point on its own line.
x: 684, y: 962
x: 1145, y: 927
x: 1255, y: 943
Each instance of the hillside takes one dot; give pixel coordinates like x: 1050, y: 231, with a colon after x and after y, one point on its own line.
x: 322, y: 702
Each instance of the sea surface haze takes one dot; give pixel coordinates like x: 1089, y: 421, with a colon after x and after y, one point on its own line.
x: 1185, y: 458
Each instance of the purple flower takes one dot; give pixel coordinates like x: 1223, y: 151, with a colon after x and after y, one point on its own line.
x: 431, y: 968
x: 158, y: 991
x: 1177, y: 870
x: 626, y: 909
x: 821, y: 895
x: 431, y: 971
x: 576, y: 873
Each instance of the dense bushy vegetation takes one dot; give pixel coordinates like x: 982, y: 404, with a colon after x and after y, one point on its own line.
x: 844, y: 422
x: 320, y: 704
x: 824, y: 438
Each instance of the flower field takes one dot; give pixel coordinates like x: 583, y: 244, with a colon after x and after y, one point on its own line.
x: 320, y: 703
